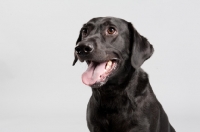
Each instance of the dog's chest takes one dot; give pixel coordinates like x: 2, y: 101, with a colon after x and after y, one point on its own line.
x: 114, y: 114
x: 113, y: 105
x: 116, y: 109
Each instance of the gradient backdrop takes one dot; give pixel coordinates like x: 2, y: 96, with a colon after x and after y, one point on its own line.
x: 40, y: 90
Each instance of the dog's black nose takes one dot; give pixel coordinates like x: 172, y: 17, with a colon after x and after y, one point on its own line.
x: 83, y: 49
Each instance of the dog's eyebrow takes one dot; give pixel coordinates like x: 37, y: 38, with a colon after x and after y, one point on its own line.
x: 106, y: 23
x: 88, y: 25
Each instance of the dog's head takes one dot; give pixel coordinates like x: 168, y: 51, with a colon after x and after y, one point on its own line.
x: 110, y: 46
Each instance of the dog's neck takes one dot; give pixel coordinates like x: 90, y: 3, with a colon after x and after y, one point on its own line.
x: 108, y: 97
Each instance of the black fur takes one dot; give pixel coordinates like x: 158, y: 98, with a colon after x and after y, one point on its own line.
x: 126, y: 102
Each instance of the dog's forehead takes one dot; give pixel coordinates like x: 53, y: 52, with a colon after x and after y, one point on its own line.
x: 107, y: 21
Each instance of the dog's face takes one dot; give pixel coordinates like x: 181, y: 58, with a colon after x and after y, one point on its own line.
x: 110, y: 46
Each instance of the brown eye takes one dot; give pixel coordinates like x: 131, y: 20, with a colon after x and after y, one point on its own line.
x: 111, y: 30
x: 84, y: 31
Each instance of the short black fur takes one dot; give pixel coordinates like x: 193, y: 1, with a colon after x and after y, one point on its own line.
x: 125, y: 102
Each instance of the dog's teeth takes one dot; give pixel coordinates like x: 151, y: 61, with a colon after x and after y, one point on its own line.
x: 109, y: 63
x: 108, y: 67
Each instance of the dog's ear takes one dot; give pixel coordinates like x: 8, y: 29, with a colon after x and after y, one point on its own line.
x: 141, y: 49
x: 78, y: 40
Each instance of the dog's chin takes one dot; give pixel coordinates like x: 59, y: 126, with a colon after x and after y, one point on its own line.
x: 98, y: 73
x: 98, y: 84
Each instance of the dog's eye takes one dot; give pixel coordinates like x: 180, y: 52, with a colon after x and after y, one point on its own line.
x: 111, y: 30
x: 84, y: 31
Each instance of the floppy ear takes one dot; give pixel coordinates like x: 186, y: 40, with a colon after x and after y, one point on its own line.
x: 75, y: 57
x: 141, y: 48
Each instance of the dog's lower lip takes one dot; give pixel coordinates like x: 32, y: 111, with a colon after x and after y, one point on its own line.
x: 98, y: 73
x: 109, y: 68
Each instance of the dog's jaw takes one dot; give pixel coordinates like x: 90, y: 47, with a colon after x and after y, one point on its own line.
x: 97, y: 74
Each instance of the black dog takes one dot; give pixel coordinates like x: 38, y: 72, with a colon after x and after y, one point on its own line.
x: 122, y: 99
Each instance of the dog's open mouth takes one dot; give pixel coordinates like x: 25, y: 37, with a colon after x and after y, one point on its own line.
x: 97, y: 73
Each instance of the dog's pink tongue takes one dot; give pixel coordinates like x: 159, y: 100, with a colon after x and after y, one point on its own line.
x: 93, y: 73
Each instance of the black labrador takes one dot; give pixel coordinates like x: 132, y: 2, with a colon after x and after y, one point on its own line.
x: 122, y: 98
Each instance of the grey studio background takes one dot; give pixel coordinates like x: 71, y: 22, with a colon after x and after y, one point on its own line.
x: 41, y: 91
